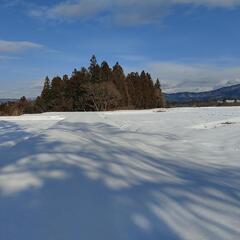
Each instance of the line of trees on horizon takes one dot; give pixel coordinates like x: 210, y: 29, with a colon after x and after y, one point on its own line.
x: 98, y: 88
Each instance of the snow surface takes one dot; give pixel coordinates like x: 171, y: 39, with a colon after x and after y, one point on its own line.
x: 125, y: 175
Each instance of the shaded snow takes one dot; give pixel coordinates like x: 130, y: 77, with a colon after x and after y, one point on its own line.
x: 121, y: 175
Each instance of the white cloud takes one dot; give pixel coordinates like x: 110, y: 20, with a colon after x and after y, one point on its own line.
x: 17, y: 46
x: 30, y: 89
x: 125, y: 12
x: 210, y: 3
x: 6, y: 58
x: 178, y: 77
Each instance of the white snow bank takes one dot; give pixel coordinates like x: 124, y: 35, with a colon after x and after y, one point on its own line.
x: 129, y: 112
x: 32, y: 117
x: 216, y: 124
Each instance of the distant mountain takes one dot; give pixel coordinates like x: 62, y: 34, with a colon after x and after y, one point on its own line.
x: 8, y: 100
x: 231, y: 92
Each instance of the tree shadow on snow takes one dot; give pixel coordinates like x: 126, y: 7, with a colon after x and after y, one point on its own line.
x: 98, y: 182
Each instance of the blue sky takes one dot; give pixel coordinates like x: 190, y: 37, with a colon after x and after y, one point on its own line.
x: 190, y: 45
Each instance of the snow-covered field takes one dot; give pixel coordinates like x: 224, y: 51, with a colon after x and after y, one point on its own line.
x: 143, y: 175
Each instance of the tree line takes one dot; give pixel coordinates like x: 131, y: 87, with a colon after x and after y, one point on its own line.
x: 96, y: 88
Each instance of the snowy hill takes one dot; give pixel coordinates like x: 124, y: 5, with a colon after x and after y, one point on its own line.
x: 230, y: 92
x: 127, y: 175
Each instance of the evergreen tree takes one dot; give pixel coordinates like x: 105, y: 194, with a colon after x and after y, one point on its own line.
x: 46, y: 94
x: 57, y: 94
x: 93, y: 63
x: 46, y: 88
x: 157, y: 84
x: 94, y: 70
x: 106, y: 72
x: 160, y: 102
x: 119, y: 80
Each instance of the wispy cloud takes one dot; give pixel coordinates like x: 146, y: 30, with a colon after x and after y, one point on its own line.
x: 124, y: 12
x: 17, y: 46
x: 6, y: 58
x: 177, y: 77
x: 210, y: 3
